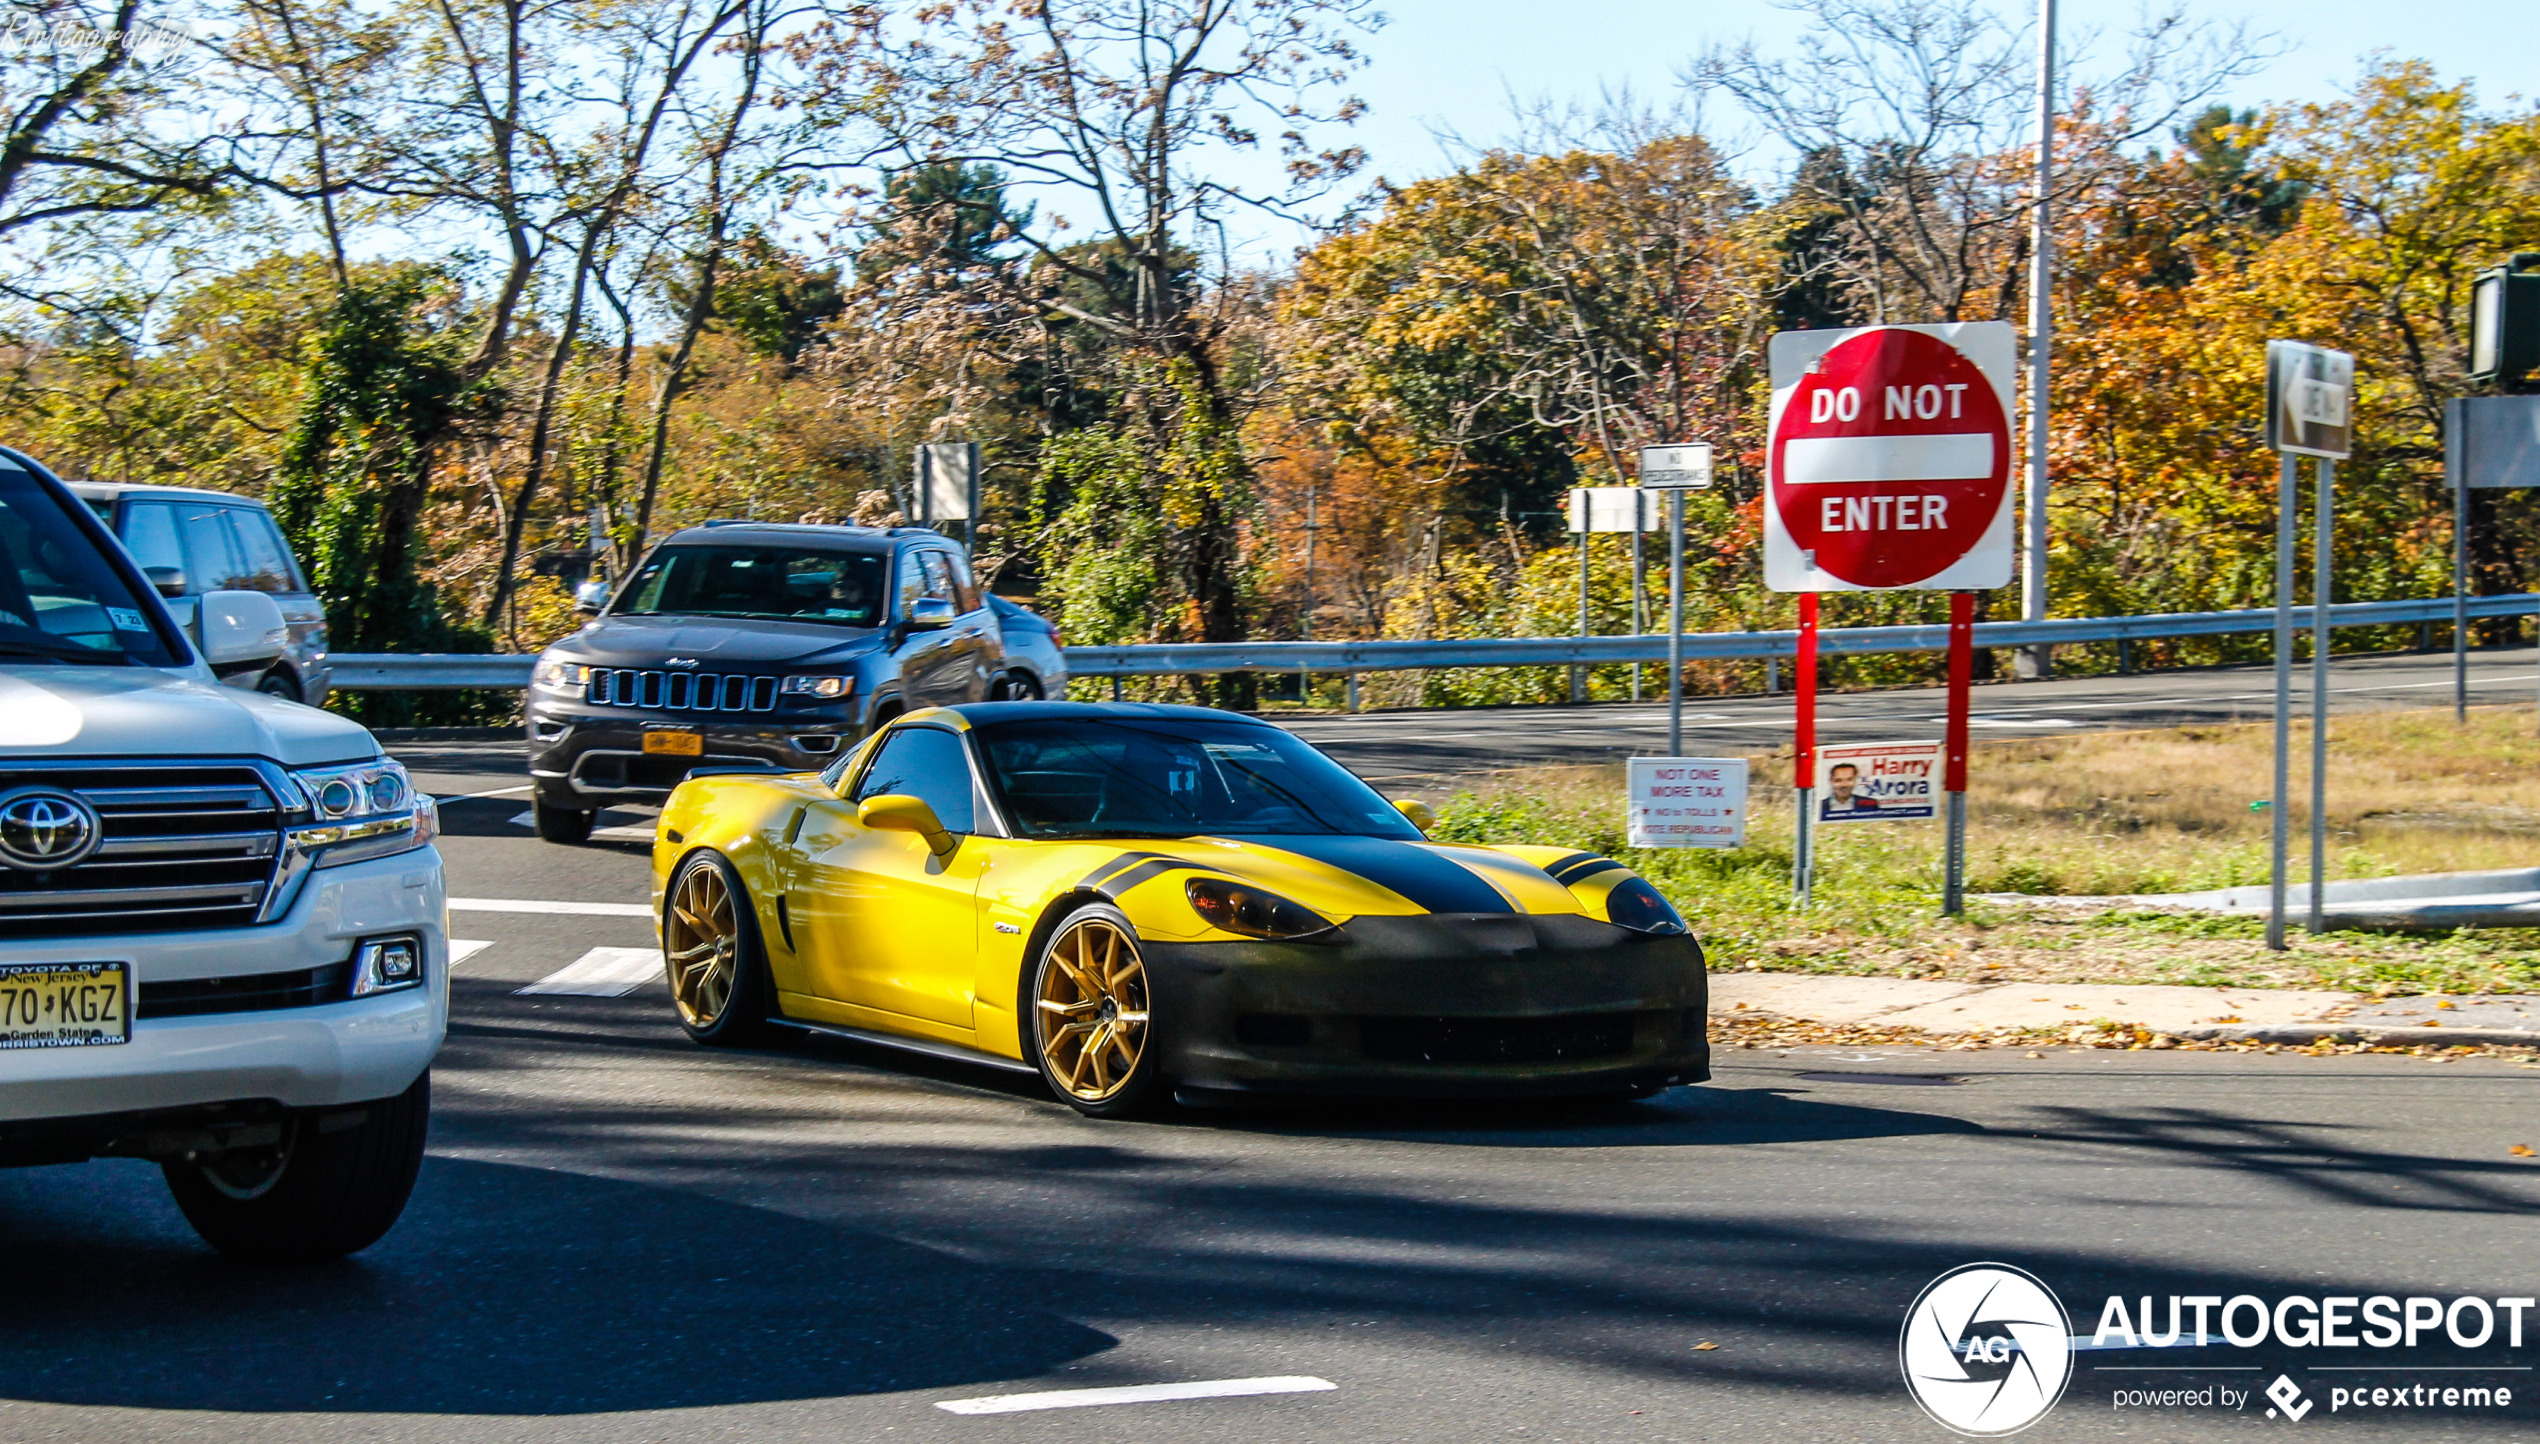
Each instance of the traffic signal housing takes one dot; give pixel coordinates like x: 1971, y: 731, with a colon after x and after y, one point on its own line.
x: 2504, y: 320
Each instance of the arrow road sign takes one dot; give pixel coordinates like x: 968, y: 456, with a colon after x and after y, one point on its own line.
x: 1889, y: 462
x: 2310, y: 395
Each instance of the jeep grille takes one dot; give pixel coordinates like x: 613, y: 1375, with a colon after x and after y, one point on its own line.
x: 681, y: 691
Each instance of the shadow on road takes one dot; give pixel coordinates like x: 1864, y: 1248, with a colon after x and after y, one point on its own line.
x: 506, y: 1290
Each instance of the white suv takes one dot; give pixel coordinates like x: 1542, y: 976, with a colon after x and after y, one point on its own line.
x: 223, y: 936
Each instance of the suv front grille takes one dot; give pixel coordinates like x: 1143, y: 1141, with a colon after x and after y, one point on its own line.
x: 188, y: 846
x: 681, y: 691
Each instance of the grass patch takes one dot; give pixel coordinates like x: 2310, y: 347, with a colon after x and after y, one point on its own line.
x: 2094, y: 815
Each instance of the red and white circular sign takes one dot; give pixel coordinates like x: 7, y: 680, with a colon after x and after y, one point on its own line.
x: 1890, y: 460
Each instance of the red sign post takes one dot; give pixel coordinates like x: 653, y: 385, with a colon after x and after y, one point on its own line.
x: 1889, y: 469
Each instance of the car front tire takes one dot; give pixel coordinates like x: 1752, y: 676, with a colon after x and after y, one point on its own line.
x: 1094, y: 1030
x: 279, y: 684
x: 326, y: 1190
x: 710, y: 945
x: 562, y: 824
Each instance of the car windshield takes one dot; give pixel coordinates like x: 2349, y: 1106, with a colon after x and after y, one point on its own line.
x: 61, y: 601
x: 1175, y: 777
x: 783, y: 584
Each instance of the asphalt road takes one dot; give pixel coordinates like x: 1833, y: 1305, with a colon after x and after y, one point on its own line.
x: 620, y: 1236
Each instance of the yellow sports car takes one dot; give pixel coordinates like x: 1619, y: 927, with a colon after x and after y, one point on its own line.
x: 1141, y: 902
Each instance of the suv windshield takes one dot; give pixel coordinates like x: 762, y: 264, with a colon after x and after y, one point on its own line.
x: 1174, y: 777
x: 60, y: 600
x: 779, y: 584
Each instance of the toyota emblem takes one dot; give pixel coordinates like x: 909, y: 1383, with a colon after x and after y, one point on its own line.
x: 42, y: 829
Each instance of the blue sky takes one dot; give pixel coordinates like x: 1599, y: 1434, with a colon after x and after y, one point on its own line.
x: 1452, y: 62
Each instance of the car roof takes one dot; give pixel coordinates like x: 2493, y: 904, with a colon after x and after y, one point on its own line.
x: 112, y: 490
x: 974, y: 713
x: 788, y: 533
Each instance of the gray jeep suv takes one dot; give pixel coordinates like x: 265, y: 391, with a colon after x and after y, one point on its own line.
x: 753, y: 644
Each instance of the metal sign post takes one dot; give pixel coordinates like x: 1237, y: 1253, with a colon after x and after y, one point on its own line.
x: 2490, y: 443
x: 1606, y: 509
x: 1888, y: 468
x: 1676, y: 470
x: 2310, y: 396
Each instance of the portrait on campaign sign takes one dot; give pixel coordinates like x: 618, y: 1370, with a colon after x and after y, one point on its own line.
x: 1879, y: 782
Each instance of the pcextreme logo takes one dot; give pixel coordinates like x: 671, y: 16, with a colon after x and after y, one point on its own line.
x: 1986, y: 1349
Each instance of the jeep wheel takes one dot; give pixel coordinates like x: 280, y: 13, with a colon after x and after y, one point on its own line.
x: 334, y: 1183
x: 562, y: 824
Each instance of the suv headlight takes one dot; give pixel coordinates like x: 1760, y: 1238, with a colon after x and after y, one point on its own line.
x: 561, y: 677
x: 822, y: 687
x: 359, y: 811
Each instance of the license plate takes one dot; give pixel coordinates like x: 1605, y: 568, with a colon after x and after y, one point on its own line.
x: 677, y: 744
x: 64, y: 1005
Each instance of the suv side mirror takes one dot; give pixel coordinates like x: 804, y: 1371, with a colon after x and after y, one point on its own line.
x: 899, y: 812
x: 239, y: 630
x: 591, y: 598
x: 170, y: 581
x: 930, y: 614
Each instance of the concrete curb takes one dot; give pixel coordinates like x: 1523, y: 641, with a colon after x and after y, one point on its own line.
x: 2305, y: 1034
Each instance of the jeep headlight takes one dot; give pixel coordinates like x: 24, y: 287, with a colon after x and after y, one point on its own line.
x: 358, y: 811
x: 560, y: 677
x: 821, y: 687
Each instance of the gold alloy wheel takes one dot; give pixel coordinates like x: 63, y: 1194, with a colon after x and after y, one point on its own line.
x: 1092, y: 1021
x: 702, y: 941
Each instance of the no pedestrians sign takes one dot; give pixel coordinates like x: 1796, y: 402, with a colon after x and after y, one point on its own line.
x: 1889, y: 462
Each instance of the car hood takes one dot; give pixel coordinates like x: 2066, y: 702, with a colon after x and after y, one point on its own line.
x: 647, y: 641
x: 67, y: 713
x: 1344, y: 877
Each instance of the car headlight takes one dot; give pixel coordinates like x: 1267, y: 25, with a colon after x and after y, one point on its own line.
x: 363, y: 810
x: 1636, y: 905
x: 824, y: 687
x: 555, y: 675
x: 1249, y: 912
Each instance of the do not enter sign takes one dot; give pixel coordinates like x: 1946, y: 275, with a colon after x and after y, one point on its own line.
x: 1889, y: 464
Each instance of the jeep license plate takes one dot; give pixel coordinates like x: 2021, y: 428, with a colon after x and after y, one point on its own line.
x: 677, y: 744
x: 64, y: 1005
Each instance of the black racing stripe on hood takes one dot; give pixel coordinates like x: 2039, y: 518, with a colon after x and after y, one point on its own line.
x: 1431, y: 881
x: 1094, y: 880
x: 1580, y: 872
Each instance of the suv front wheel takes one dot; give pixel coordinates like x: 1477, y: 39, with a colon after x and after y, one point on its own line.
x: 334, y: 1183
x: 561, y: 824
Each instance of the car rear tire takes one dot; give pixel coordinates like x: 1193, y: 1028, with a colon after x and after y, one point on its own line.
x: 562, y: 824
x: 1094, y: 1033
x: 1020, y: 687
x: 328, y: 1189
x: 279, y: 684
x: 710, y: 946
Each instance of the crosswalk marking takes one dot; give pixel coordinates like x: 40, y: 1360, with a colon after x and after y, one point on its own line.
x: 543, y: 905
x: 462, y: 949
x: 603, y: 973
x: 1135, y: 1394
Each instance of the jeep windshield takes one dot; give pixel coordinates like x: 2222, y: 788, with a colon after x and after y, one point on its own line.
x: 61, y: 601
x: 775, y: 584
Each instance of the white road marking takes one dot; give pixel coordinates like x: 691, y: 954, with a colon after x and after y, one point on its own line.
x: 492, y: 792
x: 462, y: 949
x: 1135, y: 1394
x: 603, y: 973
x: 541, y: 905
x: 526, y: 819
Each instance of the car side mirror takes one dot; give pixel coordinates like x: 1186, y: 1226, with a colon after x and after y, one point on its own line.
x: 1422, y: 815
x: 591, y: 598
x: 239, y: 630
x: 930, y: 614
x: 899, y: 812
x: 169, y: 581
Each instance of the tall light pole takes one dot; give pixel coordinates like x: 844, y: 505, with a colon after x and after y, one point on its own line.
x: 2032, y: 660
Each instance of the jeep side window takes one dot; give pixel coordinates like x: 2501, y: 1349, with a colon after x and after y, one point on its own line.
x: 965, y: 592
x: 266, y: 562
x: 912, y: 581
x: 939, y: 582
x: 149, y: 533
x: 212, y: 563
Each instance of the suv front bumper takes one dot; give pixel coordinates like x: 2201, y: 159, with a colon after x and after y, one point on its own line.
x: 313, y: 1056
x: 583, y: 759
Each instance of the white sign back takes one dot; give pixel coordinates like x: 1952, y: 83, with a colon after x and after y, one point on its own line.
x: 1687, y: 802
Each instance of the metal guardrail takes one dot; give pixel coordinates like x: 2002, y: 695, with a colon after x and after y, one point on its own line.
x: 444, y: 672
